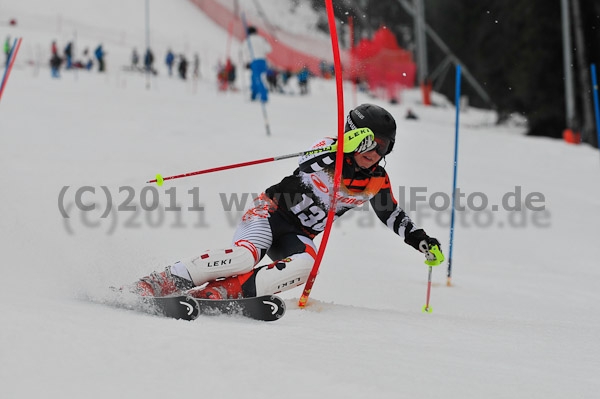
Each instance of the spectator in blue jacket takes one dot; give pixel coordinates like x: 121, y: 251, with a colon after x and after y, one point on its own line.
x: 99, y: 53
x: 170, y: 59
x: 256, y: 49
x: 69, y: 55
x: 303, y: 76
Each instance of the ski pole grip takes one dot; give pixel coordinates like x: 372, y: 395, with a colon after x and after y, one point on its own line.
x: 439, y: 257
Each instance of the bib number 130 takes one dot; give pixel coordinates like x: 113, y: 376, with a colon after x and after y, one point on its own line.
x: 309, y: 214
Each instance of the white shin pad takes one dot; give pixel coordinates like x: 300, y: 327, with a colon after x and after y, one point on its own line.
x: 284, y: 274
x: 214, y: 264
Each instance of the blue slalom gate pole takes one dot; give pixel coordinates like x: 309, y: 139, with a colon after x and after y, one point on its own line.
x: 595, y: 89
x: 457, y: 104
x: 264, y: 107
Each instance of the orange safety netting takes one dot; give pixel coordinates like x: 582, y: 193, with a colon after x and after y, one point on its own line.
x: 382, y: 64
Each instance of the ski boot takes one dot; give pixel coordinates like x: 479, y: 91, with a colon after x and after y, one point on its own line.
x: 161, y: 284
x: 229, y: 288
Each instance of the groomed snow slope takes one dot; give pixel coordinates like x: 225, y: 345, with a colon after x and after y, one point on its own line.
x: 520, y: 321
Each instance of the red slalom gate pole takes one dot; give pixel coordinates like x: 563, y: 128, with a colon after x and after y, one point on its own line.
x: 159, y: 179
x: 11, y: 59
x: 338, y: 161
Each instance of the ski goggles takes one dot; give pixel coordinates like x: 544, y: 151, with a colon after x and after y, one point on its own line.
x: 383, y: 146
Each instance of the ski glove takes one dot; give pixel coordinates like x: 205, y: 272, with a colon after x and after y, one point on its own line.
x: 433, y: 252
x: 430, y: 246
x: 358, y: 140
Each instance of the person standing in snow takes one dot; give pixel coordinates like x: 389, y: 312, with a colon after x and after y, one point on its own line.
x: 183, y: 66
x: 256, y: 49
x: 149, y: 61
x: 55, y: 62
x: 69, y: 55
x: 135, y: 59
x: 169, y: 60
x: 283, y: 221
x: 303, y: 76
x: 99, y: 53
x: 196, y: 66
x: 273, y: 80
x: 230, y: 71
x: 87, y: 59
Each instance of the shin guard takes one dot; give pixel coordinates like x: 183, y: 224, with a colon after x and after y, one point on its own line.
x: 214, y: 264
x: 284, y: 274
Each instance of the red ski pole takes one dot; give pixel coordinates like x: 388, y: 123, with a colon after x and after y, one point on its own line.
x: 159, y: 179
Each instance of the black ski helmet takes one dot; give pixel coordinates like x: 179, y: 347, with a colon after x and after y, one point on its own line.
x: 377, y: 119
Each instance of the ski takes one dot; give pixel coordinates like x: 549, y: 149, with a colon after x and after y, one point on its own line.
x: 264, y: 308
